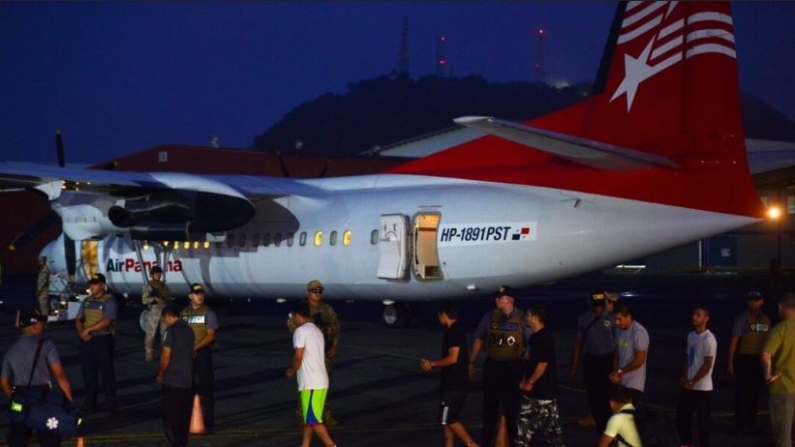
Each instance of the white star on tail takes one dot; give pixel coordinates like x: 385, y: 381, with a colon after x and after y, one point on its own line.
x: 636, y: 70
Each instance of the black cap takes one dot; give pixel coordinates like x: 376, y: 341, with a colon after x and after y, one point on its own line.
x: 597, y: 299
x: 30, y: 317
x: 196, y: 288
x: 504, y: 290
x: 97, y: 278
x: 155, y: 269
x: 754, y: 296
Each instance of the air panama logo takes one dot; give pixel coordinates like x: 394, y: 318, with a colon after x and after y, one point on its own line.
x: 131, y: 265
x: 697, y: 33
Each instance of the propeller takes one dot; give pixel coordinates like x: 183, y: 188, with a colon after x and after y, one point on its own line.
x: 44, y: 223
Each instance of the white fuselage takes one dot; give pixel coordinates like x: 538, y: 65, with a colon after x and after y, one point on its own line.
x: 463, y: 238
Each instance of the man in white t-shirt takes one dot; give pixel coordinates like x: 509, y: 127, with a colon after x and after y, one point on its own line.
x: 621, y: 427
x: 695, y: 393
x: 309, y: 365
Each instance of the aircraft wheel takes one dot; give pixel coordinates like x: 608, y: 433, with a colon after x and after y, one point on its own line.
x: 396, y: 315
x: 142, y: 320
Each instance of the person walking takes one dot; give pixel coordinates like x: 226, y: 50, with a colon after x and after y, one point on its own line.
x: 595, y: 345
x: 96, y: 326
x: 621, y: 430
x: 695, y: 392
x: 454, y: 377
x: 326, y: 320
x: 778, y: 358
x: 309, y: 366
x: 204, y: 323
x: 156, y: 295
x: 632, y: 347
x: 539, y: 386
x: 749, y: 334
x: 18, y: 373
x: 501, y: 333
x: 175, y: 377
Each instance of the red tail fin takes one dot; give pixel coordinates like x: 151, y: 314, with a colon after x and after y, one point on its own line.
x: 668, y: 86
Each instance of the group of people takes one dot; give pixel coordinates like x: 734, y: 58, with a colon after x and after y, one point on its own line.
x: 519, y: 370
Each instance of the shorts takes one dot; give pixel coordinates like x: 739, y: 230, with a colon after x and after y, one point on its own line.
x: 451, y: 407
x: 312, y: 404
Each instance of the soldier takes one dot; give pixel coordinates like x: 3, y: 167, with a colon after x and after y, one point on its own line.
x: 204, y: 323
x: 326, y: 320
x: 156, y: 296
x: 96, y: 326
x: 43, y: 287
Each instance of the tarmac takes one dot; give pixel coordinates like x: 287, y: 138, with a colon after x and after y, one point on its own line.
x: 378, y: 393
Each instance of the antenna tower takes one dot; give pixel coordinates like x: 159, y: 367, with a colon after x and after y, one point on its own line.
x: 403, y: 54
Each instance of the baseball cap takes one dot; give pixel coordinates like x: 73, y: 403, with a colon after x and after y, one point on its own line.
x: 503, y: 291
x: 30, y: 317
x: 314, y: 284
x: 754, y: 295
x: 97, y: 278
x: 597, y: 299
x: 196, y: 288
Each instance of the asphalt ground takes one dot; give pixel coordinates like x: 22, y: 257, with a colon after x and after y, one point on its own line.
x: 378, y: 393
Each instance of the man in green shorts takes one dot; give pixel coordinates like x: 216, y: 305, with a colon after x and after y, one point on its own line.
x: 310, y: 368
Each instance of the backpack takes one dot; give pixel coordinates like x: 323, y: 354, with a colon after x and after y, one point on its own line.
x: 654, y: 429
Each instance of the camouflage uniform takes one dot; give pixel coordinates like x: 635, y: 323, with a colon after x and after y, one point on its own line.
x: 43, y: 290
x: 535, y: 415
x: 154, y: 289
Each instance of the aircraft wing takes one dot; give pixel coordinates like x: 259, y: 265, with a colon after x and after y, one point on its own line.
x: 580, y: 150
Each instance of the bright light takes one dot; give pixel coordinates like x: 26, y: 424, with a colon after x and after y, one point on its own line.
x: 774, y: 212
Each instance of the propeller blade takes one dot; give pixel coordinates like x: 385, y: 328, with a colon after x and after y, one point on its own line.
x: 34, y: 230
x: 285, y: 171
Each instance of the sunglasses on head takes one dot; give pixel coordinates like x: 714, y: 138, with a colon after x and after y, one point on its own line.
x: 316, y: 290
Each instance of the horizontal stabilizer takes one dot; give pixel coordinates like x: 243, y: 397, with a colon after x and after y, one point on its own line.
x: 580, y: 150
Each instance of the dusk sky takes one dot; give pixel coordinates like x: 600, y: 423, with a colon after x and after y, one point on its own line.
x: 120, y: 77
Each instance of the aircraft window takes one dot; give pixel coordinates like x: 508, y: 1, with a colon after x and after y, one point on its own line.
x: 346, y: 238
x: 195, y: 245
x: 333, y: 238
x: 290, y: 239
x: 374, y: 237
x: 302, y: 238
x: 230, y: 240
x: 255, y: 239
x: 242, y: 240
x: 318, y: 238
x: 266, y: 239
x: 277, y: 240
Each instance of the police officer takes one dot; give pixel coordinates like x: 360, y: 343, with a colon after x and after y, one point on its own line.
x: 16, y: 373
x: 96, y: 326
x: 156, y: 296
x: 324, y: 317
x: 502, y: 334
x: 596, y: 345
x: 749, y: 334
x: 204, y: 323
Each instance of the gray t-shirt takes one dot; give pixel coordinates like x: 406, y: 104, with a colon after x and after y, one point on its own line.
x: 179, y: 338
x: 636, y: 338
x: 18, y: 361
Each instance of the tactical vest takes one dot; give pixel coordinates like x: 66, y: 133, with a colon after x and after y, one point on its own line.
x: 505, y: 339
x: 161, y: 287
x: 94, y: 311
x: 757, y: 327
x: 197, y: 320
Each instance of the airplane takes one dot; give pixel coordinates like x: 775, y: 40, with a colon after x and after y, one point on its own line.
x: 653, y: 159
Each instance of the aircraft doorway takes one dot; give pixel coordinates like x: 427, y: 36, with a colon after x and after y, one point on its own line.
x: 426, y: 254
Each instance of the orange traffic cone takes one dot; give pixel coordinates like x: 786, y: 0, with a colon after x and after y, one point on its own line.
x: 196, y: 417
x: 80, y: 442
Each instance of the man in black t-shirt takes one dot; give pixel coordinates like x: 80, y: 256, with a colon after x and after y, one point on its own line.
x: 454, y: 375
x: 539, y: 410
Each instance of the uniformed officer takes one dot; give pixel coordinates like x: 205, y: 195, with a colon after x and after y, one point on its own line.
x: 596, y: 345
x: 16, y: 373
x: 502, y: 333
x: 324, y: 317
x: 204, y: 323
x: 156, y: 296
x: 749, y: 334
x: 96, y: 326
x: 43, y: 286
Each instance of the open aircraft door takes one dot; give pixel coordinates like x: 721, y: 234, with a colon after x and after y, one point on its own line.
x: 393, y: 247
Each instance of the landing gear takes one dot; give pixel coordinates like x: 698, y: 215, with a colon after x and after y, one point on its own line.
x: 142, y: 321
